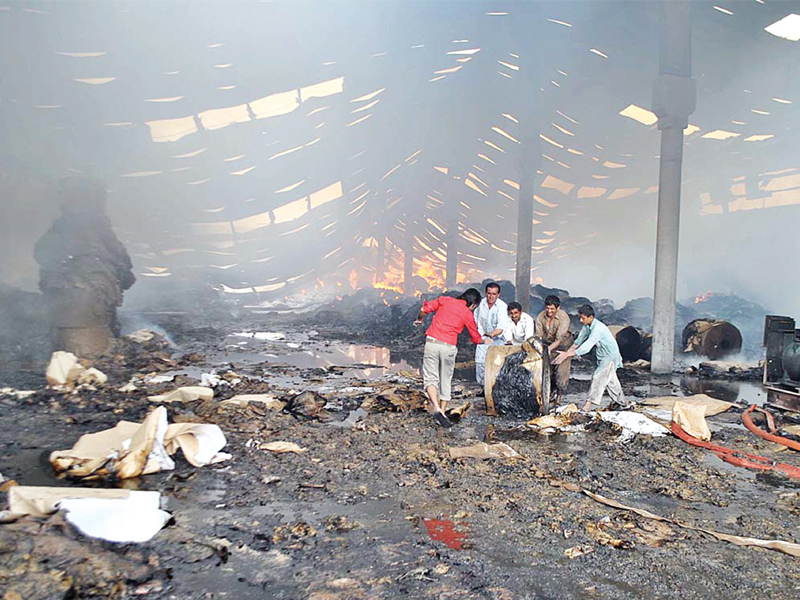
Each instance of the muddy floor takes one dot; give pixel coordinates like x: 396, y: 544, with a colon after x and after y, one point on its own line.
x: 374, y: 507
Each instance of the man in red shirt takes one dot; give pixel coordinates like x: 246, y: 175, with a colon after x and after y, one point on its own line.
x: 439, y: 359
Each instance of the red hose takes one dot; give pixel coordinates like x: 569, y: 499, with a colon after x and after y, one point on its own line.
x: 739, y: 459
x: 748, y: 422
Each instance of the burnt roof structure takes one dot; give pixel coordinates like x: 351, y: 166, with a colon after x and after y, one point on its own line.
x: 270, y: 147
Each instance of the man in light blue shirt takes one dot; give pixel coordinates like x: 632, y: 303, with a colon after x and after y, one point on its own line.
x: 492, y: 319
x: 595, y: 334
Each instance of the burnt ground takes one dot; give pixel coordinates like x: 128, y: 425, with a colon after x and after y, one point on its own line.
x: 380, y: 510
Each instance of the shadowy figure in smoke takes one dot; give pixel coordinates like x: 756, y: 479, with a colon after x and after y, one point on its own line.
x: 84, y: 269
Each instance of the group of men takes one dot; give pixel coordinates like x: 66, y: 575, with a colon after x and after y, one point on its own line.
x: 501, y: 323
x: 498, y: 323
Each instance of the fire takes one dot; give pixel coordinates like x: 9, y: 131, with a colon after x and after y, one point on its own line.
x: 703, y: 297
x: 353, y: 279
x: 434, y: 276
x: 392, y: 280
x: 383, y: 285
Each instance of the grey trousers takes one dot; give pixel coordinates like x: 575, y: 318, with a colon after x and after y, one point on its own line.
x: 605, y: 378
x: 438, y: 364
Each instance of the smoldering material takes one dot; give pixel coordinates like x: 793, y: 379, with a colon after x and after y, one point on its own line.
x: 522, y: 387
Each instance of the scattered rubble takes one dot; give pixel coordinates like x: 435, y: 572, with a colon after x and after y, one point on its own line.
x: 484, y: 450
x: 339, y: 486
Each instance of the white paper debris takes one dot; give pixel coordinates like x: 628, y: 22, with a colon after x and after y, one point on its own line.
x: 211, y: 379
x: 141, y: 336
x: 63, y: 368
x: 93, y: 376
x: 20, y: 394
x: 134, y: 519
x: 632, y: 424
x: 261, y: 335
x: 184, y: 394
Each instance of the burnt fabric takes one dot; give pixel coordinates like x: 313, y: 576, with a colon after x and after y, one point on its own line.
x: 522, y: 387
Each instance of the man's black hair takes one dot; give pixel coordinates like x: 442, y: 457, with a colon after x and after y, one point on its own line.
x: 471, y: 296
x: 552, y: 301
x: 492, y: 284
x: 514, y: 306
x: 586, y: 310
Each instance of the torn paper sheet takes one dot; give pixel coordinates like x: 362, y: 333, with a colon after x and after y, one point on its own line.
x: 40, y: 501
x: 114, y: 515
x: 211, y: 379
x: 632, y: 424
x: 692, y: 419
x: 200, y: 442
x: 134, y: 519
x: 283, y: 447
x: 64, y: 368
x: 126, y: 450
x: 577, y: 551
x: 551, y: 423
x: 133, y: 449
x: 484, y: 450
x: 184, y: 394
x: 93, y: 376
x: 19, y: 394
x: 270, y: 402
x: 712, y: 405
x: 456, y: 413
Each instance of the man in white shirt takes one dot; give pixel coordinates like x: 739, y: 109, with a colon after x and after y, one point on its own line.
x: 491, y: 317
x: 521, y: 326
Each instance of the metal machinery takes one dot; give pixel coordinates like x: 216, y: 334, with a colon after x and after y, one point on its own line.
x: 782, y: 364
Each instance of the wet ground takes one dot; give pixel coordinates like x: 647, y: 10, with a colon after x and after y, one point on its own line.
x: 376, y: 508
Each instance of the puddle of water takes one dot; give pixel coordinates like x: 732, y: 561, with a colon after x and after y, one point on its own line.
x: 352, y: 418
x: 367, y: 361
x: 35, y: 468
x: 383, y: 519
x: 740, y: 392
x: 445, y: 531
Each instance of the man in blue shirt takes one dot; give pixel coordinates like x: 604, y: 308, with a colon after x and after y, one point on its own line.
x: 595, y: 334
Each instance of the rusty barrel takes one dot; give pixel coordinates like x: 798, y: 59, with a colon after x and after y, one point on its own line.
x: 712, y: 338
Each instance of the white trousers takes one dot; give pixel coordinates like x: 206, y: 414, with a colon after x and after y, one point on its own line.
x: 605, y: 378
x: 480, y: 358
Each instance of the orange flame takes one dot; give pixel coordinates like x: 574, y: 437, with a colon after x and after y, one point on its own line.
x: 703, y: 297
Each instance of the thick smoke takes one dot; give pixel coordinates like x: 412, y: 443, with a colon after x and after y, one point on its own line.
x: 278, y: 148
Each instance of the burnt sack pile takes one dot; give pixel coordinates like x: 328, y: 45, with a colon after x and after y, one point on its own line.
x: 520, y: 387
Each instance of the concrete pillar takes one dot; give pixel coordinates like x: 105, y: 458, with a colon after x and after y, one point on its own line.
x: 528, y: 166
x: 673, y: 101
x: 451, y: 239
x: 529, y: 110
